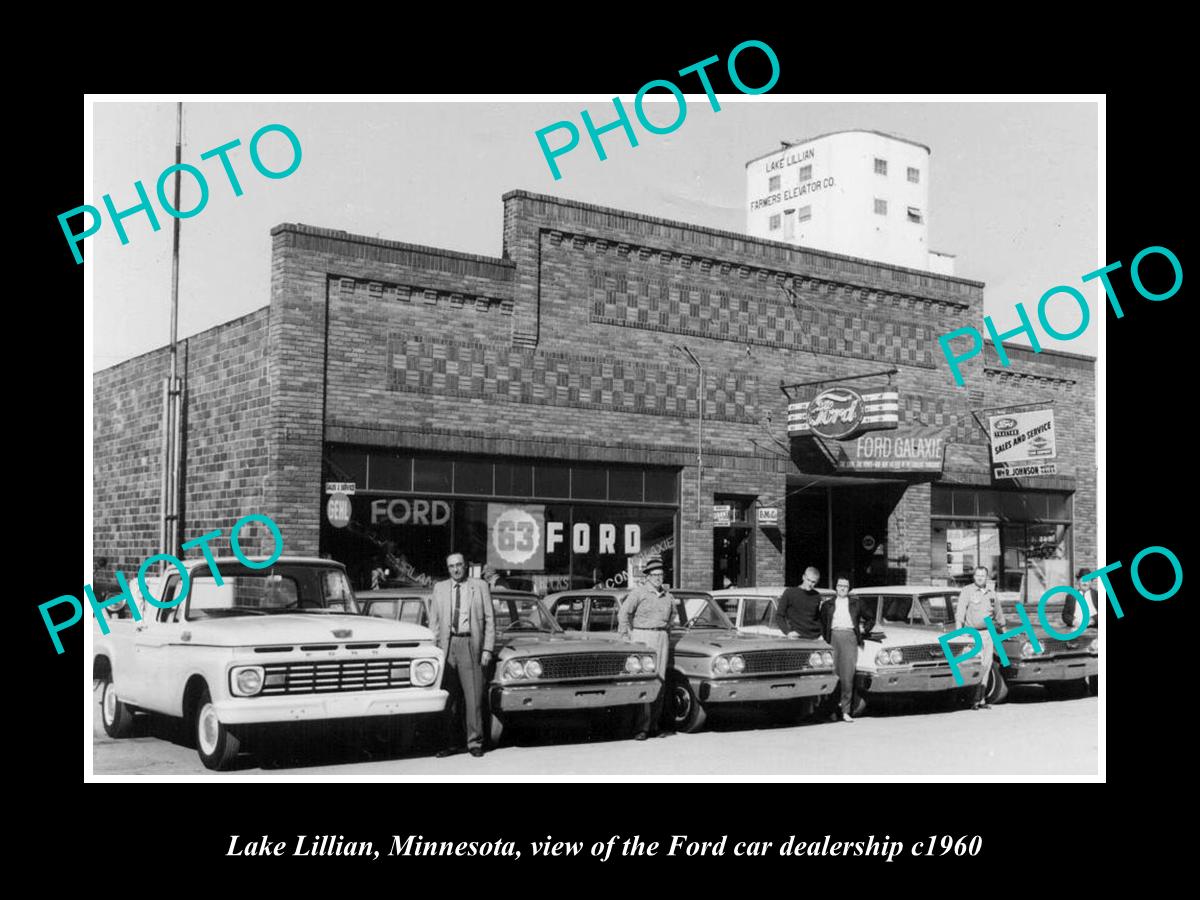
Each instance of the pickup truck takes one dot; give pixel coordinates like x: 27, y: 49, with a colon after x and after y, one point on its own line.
x: 278, y: 644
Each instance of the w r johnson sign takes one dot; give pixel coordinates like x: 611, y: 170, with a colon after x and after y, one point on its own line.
x: 843, y: 413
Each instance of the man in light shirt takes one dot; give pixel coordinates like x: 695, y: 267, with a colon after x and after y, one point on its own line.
x: 976, y: 602
x: 842, y: 622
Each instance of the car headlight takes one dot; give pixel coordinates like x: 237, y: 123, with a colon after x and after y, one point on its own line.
x: 633, y: 665
x: 721, y: 665
x: 1026, y: 650
x: 815, y: 659
x: 896, y: 657
x: 737, y: 664
x: 881, y: 658
x: 514, y: 668
x: 424, y: 672
x: 648, y: 664
x: 247, y: 680
x: 828, y: 656
x: 533, y: 668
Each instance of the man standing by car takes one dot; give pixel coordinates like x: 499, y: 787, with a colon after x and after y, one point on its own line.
x: 646, y: 617
x: 976, y: 602
x: 840, y: 621
x: 1071, y: 615
x: 799, y: 612
x: 464, y: 626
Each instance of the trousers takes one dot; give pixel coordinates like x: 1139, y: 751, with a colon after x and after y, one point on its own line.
x: 985, y: 663
x: 845, y: 661
x: 651, y: 714
x: 464, y: 683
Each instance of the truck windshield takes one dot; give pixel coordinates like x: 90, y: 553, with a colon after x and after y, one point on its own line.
x: 282, y: 588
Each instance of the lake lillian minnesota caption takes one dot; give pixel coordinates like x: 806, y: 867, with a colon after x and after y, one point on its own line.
x: 338, y: 845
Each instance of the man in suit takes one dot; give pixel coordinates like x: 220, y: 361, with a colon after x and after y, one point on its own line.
x: 463, y: 623
x: 842, y: 624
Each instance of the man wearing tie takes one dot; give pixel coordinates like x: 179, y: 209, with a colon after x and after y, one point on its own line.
x: 463, y: 624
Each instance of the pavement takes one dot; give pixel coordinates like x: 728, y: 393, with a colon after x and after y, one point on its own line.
x: 1030, y: 736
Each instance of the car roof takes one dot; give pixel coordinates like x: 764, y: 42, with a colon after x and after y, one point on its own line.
x: 906, y: 590
x: 292, y: 560
x: 424, y: 592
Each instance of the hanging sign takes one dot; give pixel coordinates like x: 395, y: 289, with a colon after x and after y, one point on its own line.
x: 842, y: 413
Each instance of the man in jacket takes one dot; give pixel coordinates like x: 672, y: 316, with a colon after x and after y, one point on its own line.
x: 842, y: 624
x: 975, y: 604
x: 646, y: 617
x: 463, y: 624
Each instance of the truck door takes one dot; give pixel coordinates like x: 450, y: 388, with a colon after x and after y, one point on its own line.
x: 153, y: 657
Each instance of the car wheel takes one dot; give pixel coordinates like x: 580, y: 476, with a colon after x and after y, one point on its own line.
x: 686, y: 712
x: 997, y: 688
x: 217, y: 745
x: 116, y: 716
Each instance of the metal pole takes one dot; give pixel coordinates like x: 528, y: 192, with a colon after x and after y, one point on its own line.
x: 171, y: 512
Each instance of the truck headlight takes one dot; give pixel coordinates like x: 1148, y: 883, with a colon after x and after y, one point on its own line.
x: 1026, y: 650
x: 633, y: 664
x: 648, y: 664
x: 424, y: 672
x: 737, y: 665
x: 246, y: 681
x: 721, y: 665
x: 533, y: 669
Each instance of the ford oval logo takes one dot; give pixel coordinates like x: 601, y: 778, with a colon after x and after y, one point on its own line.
x: 836, y: 412
x: 1006, y: 424
x: 342, y: 633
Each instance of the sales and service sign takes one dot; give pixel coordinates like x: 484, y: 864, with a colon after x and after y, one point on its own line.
x: 1023, y: 443
x: 842, y: 413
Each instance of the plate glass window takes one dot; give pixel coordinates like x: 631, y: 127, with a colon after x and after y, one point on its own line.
x: 914, y: 175
x: 880, y: 166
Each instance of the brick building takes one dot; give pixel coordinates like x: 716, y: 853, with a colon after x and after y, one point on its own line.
x: 534, y: 412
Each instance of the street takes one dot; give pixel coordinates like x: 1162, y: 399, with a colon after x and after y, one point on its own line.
x: 1029, y: 736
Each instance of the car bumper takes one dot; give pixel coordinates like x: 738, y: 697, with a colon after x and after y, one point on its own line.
x: 764, y: 688
x: 919, y: 680
x: 531, y: 698
x: 315, y: 707
x: 1039, y: 671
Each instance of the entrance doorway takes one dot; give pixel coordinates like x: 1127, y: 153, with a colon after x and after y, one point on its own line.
x: 733, y: 542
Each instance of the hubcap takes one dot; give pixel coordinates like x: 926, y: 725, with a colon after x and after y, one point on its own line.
x: 208, y: 728
x: 110, y: 703
x: 683, y: 703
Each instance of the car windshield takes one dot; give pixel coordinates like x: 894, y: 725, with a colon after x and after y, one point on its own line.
x: 699, y: 611
x: 289, y: 588
x: 758, y: 611
x: 522, y: 612
x: 938, y: 608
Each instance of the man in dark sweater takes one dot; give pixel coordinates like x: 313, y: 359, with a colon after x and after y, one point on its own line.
x: 798, y: 614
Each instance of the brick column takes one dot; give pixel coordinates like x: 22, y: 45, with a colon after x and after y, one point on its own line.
x: 908, y: 533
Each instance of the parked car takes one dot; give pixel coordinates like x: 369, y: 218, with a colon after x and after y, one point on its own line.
x: 902, y: 657
x: 1063, y: 668
x: 539, y: 668
x: 270, y: 645
x: 712, y: 665
x: 752, y: 609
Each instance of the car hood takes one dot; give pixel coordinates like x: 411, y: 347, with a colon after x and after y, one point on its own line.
x: 298, y: 628
x: 544, y: 644
x: 713, y: 641
x: 909, y: 635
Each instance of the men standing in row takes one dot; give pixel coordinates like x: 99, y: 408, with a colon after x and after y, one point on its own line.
x: 463, y: 624
x: 646, y: 617
x: 798, y: 614
x: 842, y: 627
x: 976, y: 602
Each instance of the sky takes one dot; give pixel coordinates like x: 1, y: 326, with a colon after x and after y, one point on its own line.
x: 1013, y: 190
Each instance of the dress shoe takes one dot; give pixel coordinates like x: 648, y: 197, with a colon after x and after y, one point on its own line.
x: 846, y: 717
x: 477, y: 751
x: 448, y: 751
x: 640, y: 736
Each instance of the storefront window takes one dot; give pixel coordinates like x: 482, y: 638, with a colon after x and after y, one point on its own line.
x: 1012, y: 533
x: 433, y: 475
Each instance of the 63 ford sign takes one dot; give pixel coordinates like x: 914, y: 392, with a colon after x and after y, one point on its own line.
x: 1023, y: 443
x: 842, y: 413
x: 519, y: 537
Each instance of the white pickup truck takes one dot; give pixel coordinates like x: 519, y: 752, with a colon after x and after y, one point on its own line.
x: 278, y: 644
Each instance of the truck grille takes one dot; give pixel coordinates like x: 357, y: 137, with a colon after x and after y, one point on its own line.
x: 335, y: 676
x: 761, y: 661
x: 583, y: 665
x: 1077, y: 646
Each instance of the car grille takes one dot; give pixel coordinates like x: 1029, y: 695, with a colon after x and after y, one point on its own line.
x: 927, y: 653
x: 583, y: 665
x: 335, y: 676
x: 760, y: 661
x: 1079, y: 645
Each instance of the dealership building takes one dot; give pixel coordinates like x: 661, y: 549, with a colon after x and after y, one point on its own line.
x: 542, y: 411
